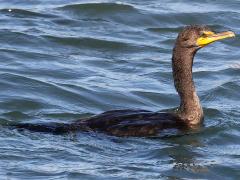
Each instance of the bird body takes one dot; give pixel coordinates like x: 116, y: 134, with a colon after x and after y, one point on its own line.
x: 147, y: 123
x: 117, y: 122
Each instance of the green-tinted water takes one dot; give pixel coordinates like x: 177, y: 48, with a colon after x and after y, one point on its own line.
x: 67, y: 59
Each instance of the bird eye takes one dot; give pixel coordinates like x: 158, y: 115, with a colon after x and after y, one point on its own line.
x: 185, y: 38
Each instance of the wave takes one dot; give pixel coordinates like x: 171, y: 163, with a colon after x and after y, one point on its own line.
x: 23, y: 13
x: 88, y: 42
x: 228, y: 91
x: 99, y: 7
x: 108, y: 12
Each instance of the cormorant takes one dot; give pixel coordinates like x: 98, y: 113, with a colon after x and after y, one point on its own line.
x: 147, y: 123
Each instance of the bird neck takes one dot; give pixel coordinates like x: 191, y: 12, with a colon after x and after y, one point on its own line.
x: 190, y: 110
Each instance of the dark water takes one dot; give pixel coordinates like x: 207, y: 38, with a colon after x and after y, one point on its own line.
x: 63, y: 60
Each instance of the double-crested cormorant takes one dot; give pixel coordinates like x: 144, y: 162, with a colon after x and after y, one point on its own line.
x: 147, y: 123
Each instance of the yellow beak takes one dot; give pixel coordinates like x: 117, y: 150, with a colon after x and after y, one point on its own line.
x: 210, y: 37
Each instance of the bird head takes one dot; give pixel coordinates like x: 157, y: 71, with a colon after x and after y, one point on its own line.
x: 196, y: 36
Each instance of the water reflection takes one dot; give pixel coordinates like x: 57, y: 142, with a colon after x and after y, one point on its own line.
x: 185, y: 155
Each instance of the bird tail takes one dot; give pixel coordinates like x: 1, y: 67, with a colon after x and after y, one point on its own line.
x: 53, y: 128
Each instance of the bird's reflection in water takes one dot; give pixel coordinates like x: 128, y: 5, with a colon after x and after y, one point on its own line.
x: 185, y: 156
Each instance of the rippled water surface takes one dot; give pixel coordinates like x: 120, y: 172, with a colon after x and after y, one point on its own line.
x: 67, y: 59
